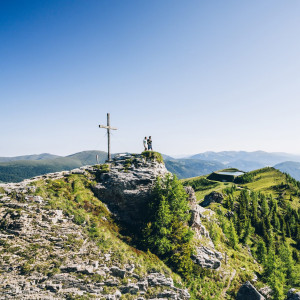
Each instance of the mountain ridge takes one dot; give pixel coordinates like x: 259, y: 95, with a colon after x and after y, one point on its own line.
x: 46, y: 222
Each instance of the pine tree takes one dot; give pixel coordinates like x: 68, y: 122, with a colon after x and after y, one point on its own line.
x: 287, y: 263
x: 276, y: 223
x: 264, y: 206
x: 255, y: 221
x: 232, y: 236
x: 249, y: 230
x: 261, y: 252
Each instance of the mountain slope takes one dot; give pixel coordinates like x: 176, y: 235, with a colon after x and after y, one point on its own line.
x: 290, y: 167
x: 185, y: 168
x: 16, y: 171
x: 29, y: 157
x: 89, y: 157
x: 58, y: 239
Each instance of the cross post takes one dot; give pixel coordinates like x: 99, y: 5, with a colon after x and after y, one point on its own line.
x: 108, y: 135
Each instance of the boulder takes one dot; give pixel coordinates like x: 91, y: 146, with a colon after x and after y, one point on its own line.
x: 117, y: 272
x: 207, y: 258
x: 293, y: 295
x: 248, y: 292
x: 212, y: 197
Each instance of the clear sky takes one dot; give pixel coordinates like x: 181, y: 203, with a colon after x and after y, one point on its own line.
x: 196, y: 75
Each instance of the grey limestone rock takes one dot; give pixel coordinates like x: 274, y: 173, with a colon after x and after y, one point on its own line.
x: 130, y: 289
x: 117, y: 272
x: 207, y: 258
x: 168, y: 294
x: 155, y: 279
x: 248, y: 292
x: 266, y: 291
x: 212, y: 197
x: 125, y: 189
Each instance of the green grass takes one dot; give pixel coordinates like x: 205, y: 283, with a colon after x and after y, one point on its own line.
x: 152, y: 155
x: 267, y: 180
x: 273, y: 182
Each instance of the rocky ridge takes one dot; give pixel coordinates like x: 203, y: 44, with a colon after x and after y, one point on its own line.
x: 45, y: 255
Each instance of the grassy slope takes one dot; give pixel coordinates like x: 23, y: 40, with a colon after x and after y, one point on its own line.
x: 266, y: 180
x: 274, y: 182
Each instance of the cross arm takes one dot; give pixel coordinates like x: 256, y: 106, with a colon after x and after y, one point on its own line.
x: 108, y: 127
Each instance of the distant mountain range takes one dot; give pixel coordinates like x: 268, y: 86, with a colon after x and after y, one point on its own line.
x: 29, y: 157
x: 251, y: 160
x: 290, y: 167
x: 18, y: 168
x: 14, y: 169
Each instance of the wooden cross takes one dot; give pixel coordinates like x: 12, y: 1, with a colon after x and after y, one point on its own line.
x: 108, y: 135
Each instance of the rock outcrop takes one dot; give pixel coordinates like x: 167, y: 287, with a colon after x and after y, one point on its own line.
x: 126, y: 187
x: 212, y: 197
x: 206, y: 256
x: 248, y: 292
x: 293, y: 295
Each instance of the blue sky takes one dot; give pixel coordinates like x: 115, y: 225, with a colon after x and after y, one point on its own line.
x: 196, y: 75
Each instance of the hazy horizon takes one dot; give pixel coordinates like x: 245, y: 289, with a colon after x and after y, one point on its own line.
x: 177, y: 156
x: 194, y: 75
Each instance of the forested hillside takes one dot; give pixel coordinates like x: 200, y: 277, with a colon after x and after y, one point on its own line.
x: 18, y: 170
x: 260, y: 211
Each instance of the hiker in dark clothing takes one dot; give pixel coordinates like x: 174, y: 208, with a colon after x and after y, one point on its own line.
x: 149, y: 142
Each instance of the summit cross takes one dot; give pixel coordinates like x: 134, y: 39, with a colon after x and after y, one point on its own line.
x: 108, y: 135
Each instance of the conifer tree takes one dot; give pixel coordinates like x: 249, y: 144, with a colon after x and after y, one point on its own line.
x: 261, y: 252
x: 264, y: 206
x: 232, y: 236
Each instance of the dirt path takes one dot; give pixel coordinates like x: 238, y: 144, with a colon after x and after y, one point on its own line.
x: 229, y: 282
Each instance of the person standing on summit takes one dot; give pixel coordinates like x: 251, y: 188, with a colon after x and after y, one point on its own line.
x: 145, y: 144
x: 149, y: 142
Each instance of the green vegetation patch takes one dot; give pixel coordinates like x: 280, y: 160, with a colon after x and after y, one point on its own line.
x: 200, y: 184
x: 152, y: 155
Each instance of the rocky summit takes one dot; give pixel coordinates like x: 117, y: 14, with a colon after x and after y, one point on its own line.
x: 125, y: 186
